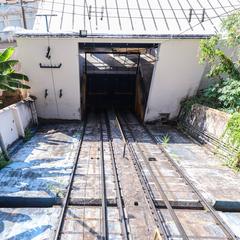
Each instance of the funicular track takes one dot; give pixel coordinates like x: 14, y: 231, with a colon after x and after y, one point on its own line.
x: 103, y: 123
x: 134, y: 147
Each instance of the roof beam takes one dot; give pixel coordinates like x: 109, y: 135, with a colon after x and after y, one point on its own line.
x: 207, y: 16
x: 144, y: 27
x: 152, y: 15
x: 130, y: 16
x: 107, y: 14
x: 200, y: 21
x: 185, y: 15
x: 164, y: 16
x: 175, y: 15
x: 119, y: 20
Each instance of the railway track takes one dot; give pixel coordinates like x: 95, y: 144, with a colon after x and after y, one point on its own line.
x: 104, y: 136
x: 100, y: 130
x: 144, y: 168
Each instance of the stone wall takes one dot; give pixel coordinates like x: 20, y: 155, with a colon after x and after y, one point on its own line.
x: 207, y: 125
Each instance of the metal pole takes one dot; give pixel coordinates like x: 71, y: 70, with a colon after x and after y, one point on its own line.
x: 23, y: 15
x: 46, y: 19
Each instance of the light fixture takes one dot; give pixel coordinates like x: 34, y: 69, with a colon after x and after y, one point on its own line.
x: 83, y: 33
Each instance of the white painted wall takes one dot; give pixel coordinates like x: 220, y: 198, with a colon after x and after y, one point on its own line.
x: 177, y: 74
x: 13, y: 121
x: 31, y: 52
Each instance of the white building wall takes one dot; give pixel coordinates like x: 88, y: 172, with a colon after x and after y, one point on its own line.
x: 31, y: 52
x: 177, y: 75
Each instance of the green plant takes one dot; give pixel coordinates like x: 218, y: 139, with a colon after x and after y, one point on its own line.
x: 166, y: 139
x: 4, y: 161
x: 28, y: 134
x: 224, y: 92
x: 232, y: 137
x: 224, y: 95
x: 9, y: 79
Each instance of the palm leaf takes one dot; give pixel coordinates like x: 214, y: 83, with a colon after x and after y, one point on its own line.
x: 7, y: 54
x: 17, y: 84
x: 6, y: 87
x: 18, y: 76
x: 6, y: 66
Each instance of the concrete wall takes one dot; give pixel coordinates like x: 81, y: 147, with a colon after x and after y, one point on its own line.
x: 31, y: 52
x: 13, y: 121
x: 206, y: 120
x: 177, y: 74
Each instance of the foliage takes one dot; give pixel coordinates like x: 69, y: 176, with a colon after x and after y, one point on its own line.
x: 9, y: 79
x: 224, y: 92
x: 224, y: 95
x: 232, y: 135
x: 28, y: 134
x: 222, y: 65
x: 165, y: 139
x: 3, y: 161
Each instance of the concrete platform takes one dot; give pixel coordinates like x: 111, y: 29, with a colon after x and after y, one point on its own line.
x: 85, y: 223
x: 218, y: 183
x: 41, y: 168
x: 232, y: 220
x: 197, y: 224
x: 28, y: 223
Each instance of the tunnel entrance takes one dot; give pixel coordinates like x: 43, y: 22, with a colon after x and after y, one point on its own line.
x: 116, y: 77
x: 106, y: 90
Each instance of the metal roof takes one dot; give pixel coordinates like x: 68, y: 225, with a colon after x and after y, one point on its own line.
x: 188, y: 18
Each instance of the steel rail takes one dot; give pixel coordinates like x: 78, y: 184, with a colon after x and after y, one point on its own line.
x: 145, y: 185
x: 123, y: 218
x: 159, y: 187
x: 69, y: 189
x: 103, y: 182
x: 202, y: 200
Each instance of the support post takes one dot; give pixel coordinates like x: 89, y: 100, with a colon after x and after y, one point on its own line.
x: 23, y: 15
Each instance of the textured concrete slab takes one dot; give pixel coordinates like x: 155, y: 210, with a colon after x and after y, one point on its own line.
x: 87, y: 184
x: 197, y: 224
x: 28, y: 223
x: 233, y: 221
x: 172, y: 184
x: 85, y: 223
x: 217, y: 182
x: 42, y: 167
x: 140, y: 221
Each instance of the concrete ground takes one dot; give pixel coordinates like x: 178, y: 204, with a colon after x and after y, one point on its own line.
x: 41, y: 168
x: 218, y: 183
x: 40, y: 172
x: 28, y: 223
